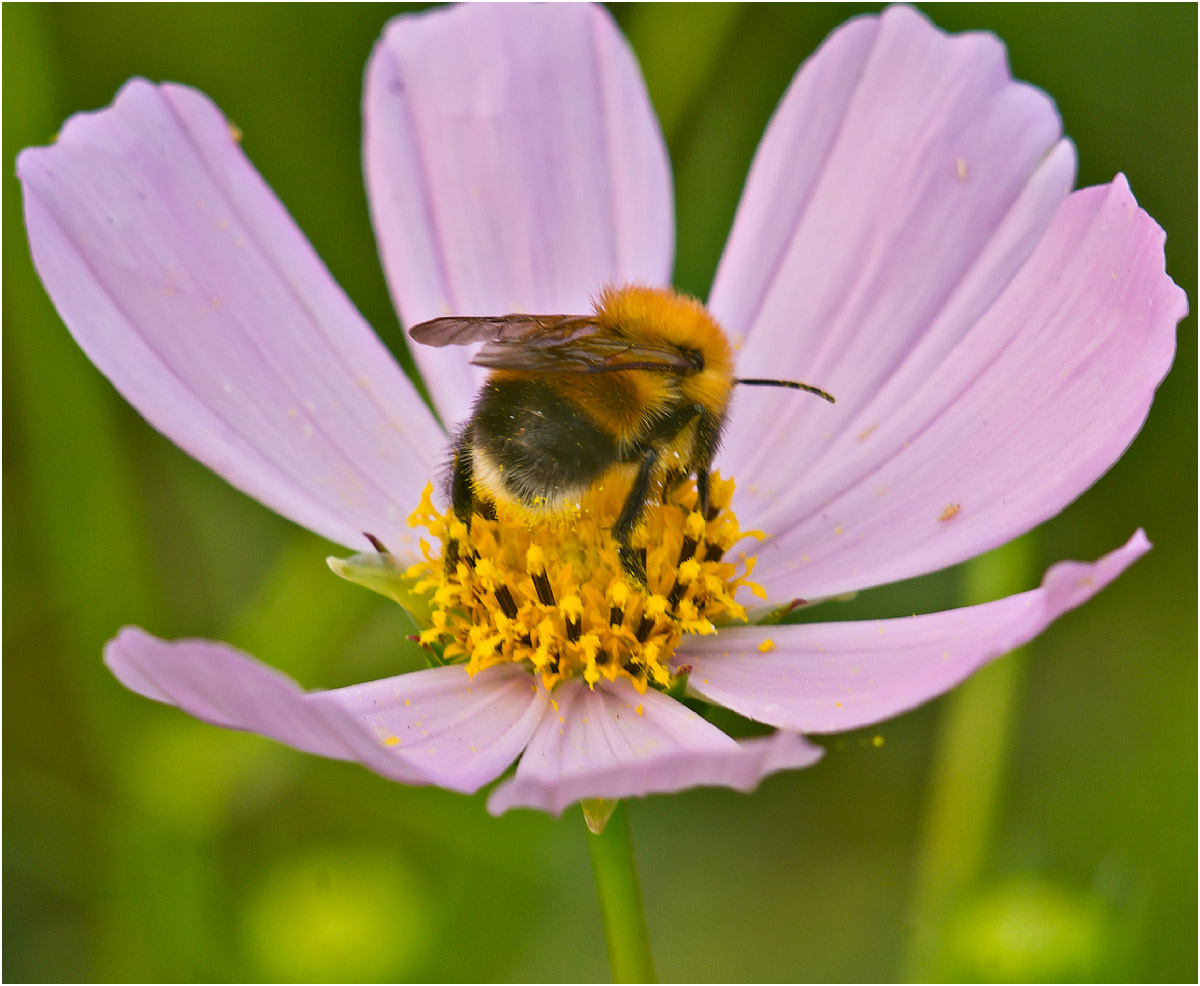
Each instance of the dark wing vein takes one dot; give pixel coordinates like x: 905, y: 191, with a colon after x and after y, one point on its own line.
x: 532, y: 330
x: 552, y: 343
x: 595, y: 354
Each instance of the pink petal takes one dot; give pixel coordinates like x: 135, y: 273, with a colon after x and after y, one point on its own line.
x: 222, y: 685
x: 186, y: 282
x: 615, y: 743
x: 827, y: 677
x: 514, y: 164
x: 884, y: 250
x: 1042, y: 396
x: 491, y: 717
x: 903, y: 180
x: 461, y: 731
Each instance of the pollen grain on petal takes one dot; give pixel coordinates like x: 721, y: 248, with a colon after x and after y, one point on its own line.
x: 951, y: 510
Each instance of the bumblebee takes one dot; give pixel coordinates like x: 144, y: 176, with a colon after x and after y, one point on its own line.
x: 640, y: 386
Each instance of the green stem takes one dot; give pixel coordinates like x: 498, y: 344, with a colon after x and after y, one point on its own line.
x: 968, y: 773
x: 621, y: 901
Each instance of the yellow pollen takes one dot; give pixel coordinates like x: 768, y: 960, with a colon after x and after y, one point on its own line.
x: 552, y: 594
x: 535, y: 560
x: 618, y: 592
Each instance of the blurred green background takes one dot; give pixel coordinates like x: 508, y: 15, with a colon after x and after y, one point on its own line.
x: 141, y: 845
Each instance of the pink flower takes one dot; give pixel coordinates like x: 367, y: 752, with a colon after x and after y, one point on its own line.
x: 907, y: 239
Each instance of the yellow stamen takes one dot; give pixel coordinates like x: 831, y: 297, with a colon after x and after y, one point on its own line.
x: 553, y: 594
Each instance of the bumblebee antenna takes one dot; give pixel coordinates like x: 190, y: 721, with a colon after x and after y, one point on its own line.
x: 790, y: 384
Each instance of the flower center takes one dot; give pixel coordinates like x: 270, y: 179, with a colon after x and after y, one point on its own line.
x: 552, y: 593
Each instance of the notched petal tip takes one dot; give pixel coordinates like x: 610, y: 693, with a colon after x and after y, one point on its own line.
x: 612, y: 743
x: 1069, y: 356
x: 1121, y: 188
x: 1070, y: 583
x: 831, y: 677
x: 78, y: 123
x: 858, y: 251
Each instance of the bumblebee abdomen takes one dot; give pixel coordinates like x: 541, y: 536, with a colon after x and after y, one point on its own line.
x: 622, y: 404
x: 534, y: 446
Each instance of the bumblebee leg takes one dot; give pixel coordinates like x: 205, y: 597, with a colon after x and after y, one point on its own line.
x: 708, y: 435
x: 702, y: 475
x: 704, y: 448
x: 632, y: 561
x: 671, y: 482
x: 462, y: 494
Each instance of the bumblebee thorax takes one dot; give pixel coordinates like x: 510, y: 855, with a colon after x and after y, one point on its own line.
x: 661, y: 316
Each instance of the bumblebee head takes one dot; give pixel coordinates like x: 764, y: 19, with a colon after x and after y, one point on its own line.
x: 663, y: 317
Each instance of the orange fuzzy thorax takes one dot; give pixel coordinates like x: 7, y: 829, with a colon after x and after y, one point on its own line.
x: 661, y: 405
x: 661, y: 315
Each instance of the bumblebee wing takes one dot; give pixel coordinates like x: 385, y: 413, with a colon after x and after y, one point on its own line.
x: 593, y: 354
x: 538, y: 331
x: 551, y: 343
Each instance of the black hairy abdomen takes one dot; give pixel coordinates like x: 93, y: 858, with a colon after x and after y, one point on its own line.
x: 545, y: 443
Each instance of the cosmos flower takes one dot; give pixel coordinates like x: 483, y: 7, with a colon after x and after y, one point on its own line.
x: 907, y: 239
